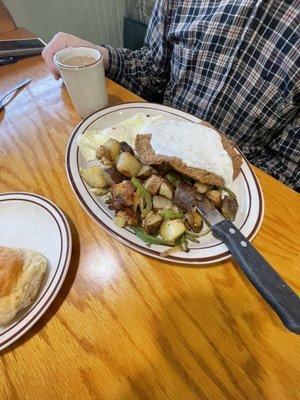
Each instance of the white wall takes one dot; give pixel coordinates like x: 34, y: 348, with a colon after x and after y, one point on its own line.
x: 100, y: 21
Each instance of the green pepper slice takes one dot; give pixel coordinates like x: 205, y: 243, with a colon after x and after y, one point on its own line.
x: 170, y: 214
x: 149, y: 239
x: 172, y: 176
x: 145, y: 194
x: 184, y: 243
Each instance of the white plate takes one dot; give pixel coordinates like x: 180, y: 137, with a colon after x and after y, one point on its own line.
x: 33, y: 222
x: 209, y: 250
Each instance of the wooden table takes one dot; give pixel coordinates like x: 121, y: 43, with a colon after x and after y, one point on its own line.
x: 125, y: 326
x: 6, y: 21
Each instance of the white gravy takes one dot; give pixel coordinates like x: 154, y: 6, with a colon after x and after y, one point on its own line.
x: 196, y: 145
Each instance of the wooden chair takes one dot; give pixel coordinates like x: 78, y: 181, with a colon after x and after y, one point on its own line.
x: 6, y: 22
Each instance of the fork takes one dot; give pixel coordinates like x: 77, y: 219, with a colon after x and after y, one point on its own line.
x: 16, y: 87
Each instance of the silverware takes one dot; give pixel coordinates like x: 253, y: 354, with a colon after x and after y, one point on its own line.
x: 284, y: 301
x: 14, y: 89
x: 8, y: 60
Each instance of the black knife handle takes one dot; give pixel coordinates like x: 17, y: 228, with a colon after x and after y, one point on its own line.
x: 264, y: 278
x: 9, y: 60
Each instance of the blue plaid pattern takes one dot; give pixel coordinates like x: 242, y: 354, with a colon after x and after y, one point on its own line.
x: 233, y: 63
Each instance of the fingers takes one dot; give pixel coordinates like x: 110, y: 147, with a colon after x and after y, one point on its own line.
x: 61, y: 41
x: 58, y: 43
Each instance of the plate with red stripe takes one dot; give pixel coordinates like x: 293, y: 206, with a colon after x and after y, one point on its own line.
x: 33, y: 222
x: 209, y: 250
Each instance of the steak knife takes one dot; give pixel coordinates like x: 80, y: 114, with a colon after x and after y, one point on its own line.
x: 284, y: 301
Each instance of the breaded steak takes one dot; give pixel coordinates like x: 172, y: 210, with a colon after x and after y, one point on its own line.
x: 147, y: 156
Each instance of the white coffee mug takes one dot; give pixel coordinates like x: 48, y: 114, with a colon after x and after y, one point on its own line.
x: 85, y: 83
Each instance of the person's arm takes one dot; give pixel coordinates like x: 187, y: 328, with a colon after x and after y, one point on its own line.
x: 144, y: 71
x: 282, y: 158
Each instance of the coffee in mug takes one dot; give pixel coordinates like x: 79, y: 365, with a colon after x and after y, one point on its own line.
x: 82, y: 71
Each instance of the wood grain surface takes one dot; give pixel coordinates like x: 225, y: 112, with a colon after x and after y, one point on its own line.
x: 125, y: 326
x: 18, y: 33
x: 6, y: 21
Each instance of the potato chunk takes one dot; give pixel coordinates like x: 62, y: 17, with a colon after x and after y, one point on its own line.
x: 215, y: 197
x: 193, y: 221
x: 172, y: 229
x: 126, y: 216
x: 166, y: 190
x: 94, y: 177
x: 123, y: 194
x: 128, y: 165
x: 160, y: 203
x: 145, y: 172
x: 229, y: 208
x: 153, y: 183
x: 114, y: 148
x: 103, y: 154
x: 202, y: 187
x: 152, y: 222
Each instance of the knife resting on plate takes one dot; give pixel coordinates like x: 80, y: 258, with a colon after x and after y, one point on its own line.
x: 284, y: 301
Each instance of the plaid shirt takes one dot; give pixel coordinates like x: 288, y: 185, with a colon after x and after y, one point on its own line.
x: 234, y: 63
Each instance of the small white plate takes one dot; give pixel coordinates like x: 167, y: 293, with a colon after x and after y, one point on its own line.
x: 210, y: 249
x: 33, y: 222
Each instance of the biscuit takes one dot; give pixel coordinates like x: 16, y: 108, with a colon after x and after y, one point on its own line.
x: 26, y: 284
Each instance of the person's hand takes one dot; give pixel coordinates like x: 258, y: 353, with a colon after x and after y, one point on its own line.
x: 63, y: 40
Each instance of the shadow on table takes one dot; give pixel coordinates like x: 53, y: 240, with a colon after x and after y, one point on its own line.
x: 114, y: 100
x: 204, y: 345
x: 167, y: 263
x: 61, y: 296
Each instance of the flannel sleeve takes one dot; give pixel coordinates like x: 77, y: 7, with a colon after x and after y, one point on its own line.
x: 282, y: 157
x: 144, y: 71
